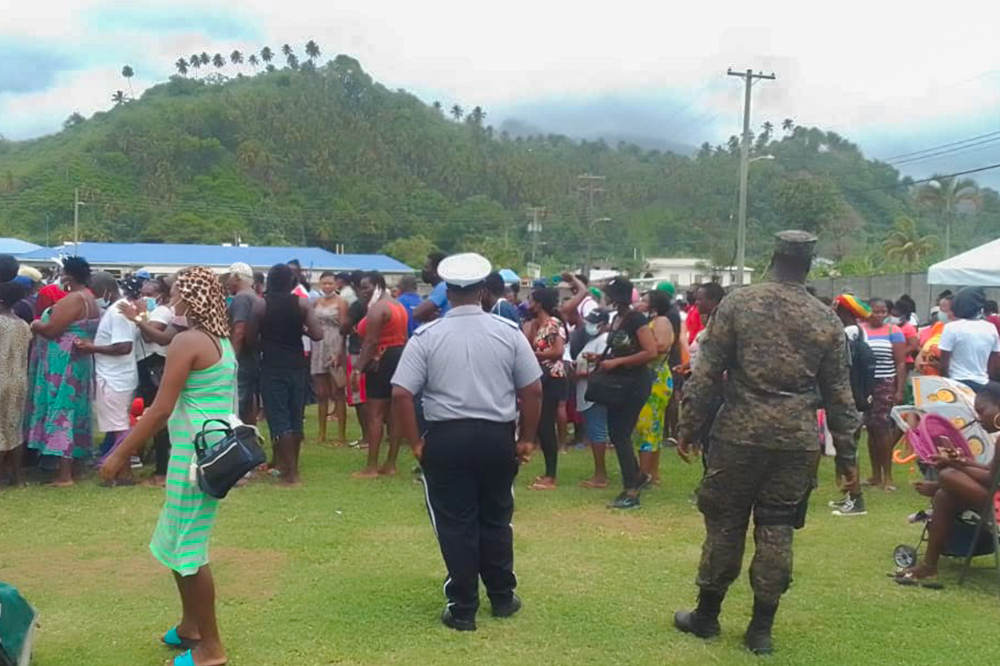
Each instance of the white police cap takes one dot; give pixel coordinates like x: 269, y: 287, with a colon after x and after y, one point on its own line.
x: 464, y: 270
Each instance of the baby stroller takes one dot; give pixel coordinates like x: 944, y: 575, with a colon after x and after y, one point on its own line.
x: 969, y: 538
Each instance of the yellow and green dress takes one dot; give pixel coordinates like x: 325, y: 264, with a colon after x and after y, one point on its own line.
x: 649, y: 429
x: 180, y: 541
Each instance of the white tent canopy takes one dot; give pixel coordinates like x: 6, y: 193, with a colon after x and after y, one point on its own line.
x: 979, y: 267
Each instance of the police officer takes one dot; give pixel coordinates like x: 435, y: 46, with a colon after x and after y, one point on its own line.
x: 472, y: 367
x: 783, y: 356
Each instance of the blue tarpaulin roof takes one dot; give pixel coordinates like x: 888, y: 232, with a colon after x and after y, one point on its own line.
x: 137, y: 255
x: 16, y: 246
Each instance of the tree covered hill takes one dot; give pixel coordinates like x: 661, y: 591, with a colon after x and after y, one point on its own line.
x: 324, y: 155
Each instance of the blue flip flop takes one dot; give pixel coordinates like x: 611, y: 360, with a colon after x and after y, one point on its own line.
x: 186, y: 659
x: 174, y: 640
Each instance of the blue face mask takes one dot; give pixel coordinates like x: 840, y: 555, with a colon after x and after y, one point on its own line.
x: 592, y: 329
x: 942, y: 316
x: 103, y: 303
x: 150, y: 304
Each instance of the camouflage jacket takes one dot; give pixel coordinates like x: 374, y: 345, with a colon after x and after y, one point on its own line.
x: 783, y: 355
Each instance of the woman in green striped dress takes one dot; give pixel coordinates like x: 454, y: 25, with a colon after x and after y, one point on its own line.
x: 199, y: 383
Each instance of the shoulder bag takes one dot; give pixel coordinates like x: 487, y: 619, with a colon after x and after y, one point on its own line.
x: 220, y: 465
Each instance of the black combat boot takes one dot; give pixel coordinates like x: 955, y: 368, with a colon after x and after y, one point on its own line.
x: 758, y: 636
x: 703, y: 621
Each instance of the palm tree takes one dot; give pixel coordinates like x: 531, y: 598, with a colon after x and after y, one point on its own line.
x: 128, y: 73
x: 236, y: 58
x: 205, y: 59
x: 292, y: 61
x: 218, y: 61
x: 946, y: 196
x: 788, y: 124
x: 194, y: 60
x: 477, y: 116
x: 118, y: 98
x: 286, y: 50
x: 457, y: 112
x: 181, y: 66
x: 266, y: 54
x: 437, y: 106
x: 312, y: 50
x: 768, y: 128
x: 270, y: 68
x: 905, y: 243
x: 253, y: 61
x: 733, y: 144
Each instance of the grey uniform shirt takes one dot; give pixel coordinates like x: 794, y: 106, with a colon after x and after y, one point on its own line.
x: 469, y: 365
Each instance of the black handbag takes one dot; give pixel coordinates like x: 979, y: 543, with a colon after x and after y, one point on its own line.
x: 609, y: 389
x: 222, y: 464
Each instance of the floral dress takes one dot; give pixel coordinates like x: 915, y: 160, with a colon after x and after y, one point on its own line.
x: 57, y: 420
x: 649, y: 429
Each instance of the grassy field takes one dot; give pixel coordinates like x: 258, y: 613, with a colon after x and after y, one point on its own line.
x: 342, y: 571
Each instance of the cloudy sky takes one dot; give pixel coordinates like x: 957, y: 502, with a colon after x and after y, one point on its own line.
x: 892, y: 76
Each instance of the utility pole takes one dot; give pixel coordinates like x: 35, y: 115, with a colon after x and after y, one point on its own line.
x: 741, y: 235
x: 76, y: 219
x: 590, y: 185
x: 535, y: 228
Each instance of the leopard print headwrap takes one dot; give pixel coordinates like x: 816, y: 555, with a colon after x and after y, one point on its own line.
x: 201, y: 290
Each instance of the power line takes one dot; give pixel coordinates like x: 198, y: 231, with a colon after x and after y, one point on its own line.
x: 988, y: 167
x: 944, y: 145
x: 950, y: 151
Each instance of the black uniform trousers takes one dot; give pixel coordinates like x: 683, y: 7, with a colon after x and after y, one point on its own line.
x: 469, y: 468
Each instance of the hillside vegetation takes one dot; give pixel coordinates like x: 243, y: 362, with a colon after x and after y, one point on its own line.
x: 324, y: 155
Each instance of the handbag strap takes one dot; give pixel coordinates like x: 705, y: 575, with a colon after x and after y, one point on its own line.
x: 199, y: 440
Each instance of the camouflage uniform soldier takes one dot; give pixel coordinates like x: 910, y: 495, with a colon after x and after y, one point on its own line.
x: 775, y: 354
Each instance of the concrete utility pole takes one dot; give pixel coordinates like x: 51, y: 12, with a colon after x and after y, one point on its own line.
x: 590, y: 185
x: 741, y: 235
x: 535, y: 228
x: 76, y: 219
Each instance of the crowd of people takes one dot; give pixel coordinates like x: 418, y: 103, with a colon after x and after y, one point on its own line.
x: 146, y: 360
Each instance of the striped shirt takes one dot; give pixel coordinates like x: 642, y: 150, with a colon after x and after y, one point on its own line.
x: 881, y: 341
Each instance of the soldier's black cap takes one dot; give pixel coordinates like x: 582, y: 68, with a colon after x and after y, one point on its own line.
x: 795, y: 244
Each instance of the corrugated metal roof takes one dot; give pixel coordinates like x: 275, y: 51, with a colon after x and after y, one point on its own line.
x: 162, y: 254
x: 17, y: 247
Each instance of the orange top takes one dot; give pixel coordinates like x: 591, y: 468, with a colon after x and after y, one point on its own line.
x: 393, y: 332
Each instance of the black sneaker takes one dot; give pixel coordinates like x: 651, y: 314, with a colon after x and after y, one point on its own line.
x: 508, y: 609
x: 852, y: 507
x: 837, y: 504
x: 625, y: 501
x: 458, y: 624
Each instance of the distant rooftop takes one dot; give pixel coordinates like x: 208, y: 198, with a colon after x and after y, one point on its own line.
x: 138, y: 255
x: 17, y: 247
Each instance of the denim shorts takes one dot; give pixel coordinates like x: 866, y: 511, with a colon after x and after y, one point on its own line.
x: 596, y: 423
x: 284, y: 395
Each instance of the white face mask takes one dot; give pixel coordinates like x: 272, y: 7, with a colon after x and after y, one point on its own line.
x: 942, y: 316
x: 102, y: 303
x: 893, y: 320
x: 592, y: 329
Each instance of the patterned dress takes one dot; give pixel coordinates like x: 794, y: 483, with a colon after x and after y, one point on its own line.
x: 330, y: 346
x: 649, y: 429
x: 57, y: 421
x: 15, y: 338
x: 180, y: 541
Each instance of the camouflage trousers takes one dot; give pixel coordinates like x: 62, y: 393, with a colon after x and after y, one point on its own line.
x: 742, y: 481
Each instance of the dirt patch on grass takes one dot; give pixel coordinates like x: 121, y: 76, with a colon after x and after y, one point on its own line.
x: 240, y: 573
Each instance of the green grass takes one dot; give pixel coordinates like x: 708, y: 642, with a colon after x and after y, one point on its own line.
x: 348, y: 572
